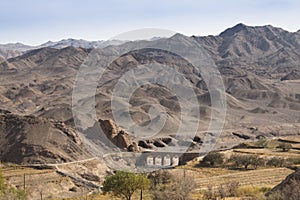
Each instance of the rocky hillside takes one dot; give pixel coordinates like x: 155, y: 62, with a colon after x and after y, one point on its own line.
x: 259, y: 67
x: 289, y: 188
x: 265, y: 50
x: 30, y: 139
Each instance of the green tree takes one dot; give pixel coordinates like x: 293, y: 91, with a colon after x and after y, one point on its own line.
x: 124, y: 184
x: 213, y: 159
x: 246, y: 160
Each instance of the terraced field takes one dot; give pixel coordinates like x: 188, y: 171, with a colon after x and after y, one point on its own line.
x: 63, y: 181
x: 269, y: 152
x: 262, y: 178
x: 14, y: 171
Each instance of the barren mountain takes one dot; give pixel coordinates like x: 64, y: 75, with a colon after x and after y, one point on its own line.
x: 29, y: 139
x: 259, y: 67
x: 80, y: 43
x: 264, y: 50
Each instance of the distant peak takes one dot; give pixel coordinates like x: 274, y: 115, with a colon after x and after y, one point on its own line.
x: 178, y: 35
x: 231, y: 31
x: 49, y: 42
x: 240, y: 25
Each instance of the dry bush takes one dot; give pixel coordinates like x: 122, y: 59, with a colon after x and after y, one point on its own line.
x: 251, y: 192
x: 179, y: 188
x: 159, y: 177
x: 224, y: 190
x: 209, y: 193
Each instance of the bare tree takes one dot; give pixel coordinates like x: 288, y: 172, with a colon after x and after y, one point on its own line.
x: 228, y: 189
x: 180, y: 188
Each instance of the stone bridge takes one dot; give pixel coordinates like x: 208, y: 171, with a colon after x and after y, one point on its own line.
x: 152, y: 159
x: 165, y: 159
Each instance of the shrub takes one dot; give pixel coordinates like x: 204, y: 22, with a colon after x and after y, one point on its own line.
x: 228, y: 189
x: 276, y: 162
x: 209, y: 193
x: 285, y: 146
x: 262, y: 143
x: 294, y: 161
x: 73, y: 189
x: 251, y: 192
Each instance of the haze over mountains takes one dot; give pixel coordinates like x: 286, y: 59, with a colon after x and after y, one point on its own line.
x: 15, y: 49
x: 260, y: 67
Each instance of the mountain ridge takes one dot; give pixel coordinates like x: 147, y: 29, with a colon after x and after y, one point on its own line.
x: 10, y: 50
x: 259, y: 68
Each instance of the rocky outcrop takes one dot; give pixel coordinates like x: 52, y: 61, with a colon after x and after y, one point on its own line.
x: 242, y: 136
x: 122, y: 140
x: 117, y: 136
x: 109, y: 128
x: 289, y: 188
x: 293, y: 75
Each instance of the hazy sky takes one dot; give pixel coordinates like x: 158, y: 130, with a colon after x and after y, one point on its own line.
x: 37, y: 21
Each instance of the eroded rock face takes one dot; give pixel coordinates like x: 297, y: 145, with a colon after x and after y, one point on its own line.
x: 133, y: 147
x: 242, y: 136
x: 122, y: 140
x: 117, y: 136
x: 109, y: 128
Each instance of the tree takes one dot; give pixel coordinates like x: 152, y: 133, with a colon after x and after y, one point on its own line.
x: 124, y: 184
x: 246, y: 160
x: 285, y: 146
x: 240, y: 160
x: 257, y: 161
x: 276, y: 162
x: 213, y: 158
x: 159, y: 177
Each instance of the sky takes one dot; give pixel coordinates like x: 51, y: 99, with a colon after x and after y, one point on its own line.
x: 37, y: 21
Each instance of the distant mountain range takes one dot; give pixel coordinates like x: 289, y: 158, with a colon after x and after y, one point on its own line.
x: 260, y: 68
x: 15, y: 49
